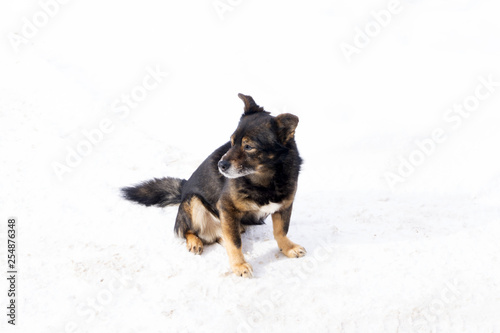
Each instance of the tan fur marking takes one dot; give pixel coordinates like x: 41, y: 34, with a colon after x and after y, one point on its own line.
x: 246, y: 141
x: 236, y: 259
x: 289, y: 248
x: 193, y: 243
x: 204, y: 223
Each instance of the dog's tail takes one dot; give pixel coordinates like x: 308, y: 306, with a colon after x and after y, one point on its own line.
x: 158, y: 192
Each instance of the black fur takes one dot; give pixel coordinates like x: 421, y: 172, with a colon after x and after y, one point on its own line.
x: 156, y: 192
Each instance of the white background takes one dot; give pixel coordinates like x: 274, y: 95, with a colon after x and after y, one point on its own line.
x: 420, y: 256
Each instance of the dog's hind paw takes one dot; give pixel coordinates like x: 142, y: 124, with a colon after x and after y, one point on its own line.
x: 243, y: 270
x: 194, y: 244
x: 296, y: 251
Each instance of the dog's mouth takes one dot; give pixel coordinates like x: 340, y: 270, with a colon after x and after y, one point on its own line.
x: 234, y: 173
x: 231, y: 175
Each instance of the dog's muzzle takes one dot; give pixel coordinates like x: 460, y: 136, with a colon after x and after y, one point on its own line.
x: 229, y: 171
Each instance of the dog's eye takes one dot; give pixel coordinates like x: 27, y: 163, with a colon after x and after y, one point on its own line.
x: 248, y: 147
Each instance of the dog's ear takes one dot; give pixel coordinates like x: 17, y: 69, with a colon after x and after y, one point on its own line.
x: 250, y: 105
x: 287, y: 123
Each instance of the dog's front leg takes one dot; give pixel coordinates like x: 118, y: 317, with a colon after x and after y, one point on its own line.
x: 230, y: 222
x: 281, y: 222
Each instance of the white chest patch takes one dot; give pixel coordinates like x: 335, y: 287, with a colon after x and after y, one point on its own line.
x: 270, y: 208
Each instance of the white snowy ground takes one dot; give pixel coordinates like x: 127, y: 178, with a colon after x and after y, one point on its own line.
x: 420, y: 257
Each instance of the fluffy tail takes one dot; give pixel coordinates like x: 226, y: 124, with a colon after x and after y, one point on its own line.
x: 158, y: 192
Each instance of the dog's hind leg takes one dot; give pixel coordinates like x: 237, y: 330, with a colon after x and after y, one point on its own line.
x: 184, y: 228
x: 281, y: 222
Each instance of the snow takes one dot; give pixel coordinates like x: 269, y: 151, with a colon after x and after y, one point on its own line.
x: 419, y: 256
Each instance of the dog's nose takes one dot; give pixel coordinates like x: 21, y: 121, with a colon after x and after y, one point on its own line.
x: 224, y: 165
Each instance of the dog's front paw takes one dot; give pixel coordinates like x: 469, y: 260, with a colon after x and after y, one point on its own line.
x: 243, y: 270
x: 294, y: 251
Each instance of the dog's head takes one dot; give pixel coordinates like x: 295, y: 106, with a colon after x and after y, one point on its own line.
x: 259, y: 142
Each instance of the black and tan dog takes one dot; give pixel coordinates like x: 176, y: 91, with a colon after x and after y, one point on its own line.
x: 247, y: 179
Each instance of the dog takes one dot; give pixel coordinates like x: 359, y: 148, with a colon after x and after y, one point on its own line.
x: 241, y: 183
